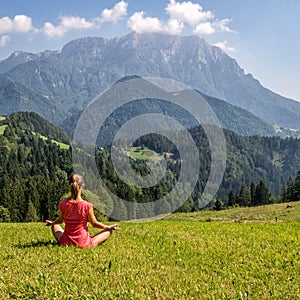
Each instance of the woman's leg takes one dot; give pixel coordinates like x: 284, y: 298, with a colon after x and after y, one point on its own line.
x: 57, y: 231
x: 101, y: 236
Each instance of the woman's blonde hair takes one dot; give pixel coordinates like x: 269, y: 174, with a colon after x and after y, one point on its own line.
x: 76, y: 183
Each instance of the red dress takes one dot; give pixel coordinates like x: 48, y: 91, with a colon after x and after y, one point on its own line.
x: 76, y: 228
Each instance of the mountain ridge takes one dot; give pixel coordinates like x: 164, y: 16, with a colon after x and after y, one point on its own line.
x: 85, y: 67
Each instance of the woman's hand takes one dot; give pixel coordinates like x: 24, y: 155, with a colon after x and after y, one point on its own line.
x: 58, y: 220
x: 114, y: 227
x: 49, y: 223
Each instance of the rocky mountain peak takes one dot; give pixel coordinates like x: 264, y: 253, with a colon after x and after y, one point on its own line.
x: 85, y: 67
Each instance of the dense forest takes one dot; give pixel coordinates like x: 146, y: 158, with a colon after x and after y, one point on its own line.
x: 33, y: 167
x: 36, y: 160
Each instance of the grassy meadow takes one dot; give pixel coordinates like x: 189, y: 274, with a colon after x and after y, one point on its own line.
x: 144, y: 154
x: 232, y: 254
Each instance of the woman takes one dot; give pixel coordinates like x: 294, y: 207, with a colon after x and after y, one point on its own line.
x: 76, y: 212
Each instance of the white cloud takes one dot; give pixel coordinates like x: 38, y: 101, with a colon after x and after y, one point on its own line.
x: 141, y: 24
x: 66, y: 24
x: 20, y: 23
x: 6, y: 25
x: 224, y: 46
x: 174, y: 27
x: 181, y: 14
x: 184, y: 15
x: 204, y: 28
x: 188, y: 12
x: 53, y: 31
x: 114, y: 14
x: 4, y: 39
x: 222, y: 25
x: 75, y: 23
x: 212, y: 27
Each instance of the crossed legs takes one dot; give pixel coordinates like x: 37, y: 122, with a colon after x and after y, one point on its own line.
x: 98, y: 238
x: 57, y: 231
x: 101, y: 236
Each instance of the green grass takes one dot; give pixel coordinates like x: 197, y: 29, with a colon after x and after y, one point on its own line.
x: 143, y: 154
x: 155, y: 260
x: 264, y: 213
x: 2, y: 128
x: 60, y: 144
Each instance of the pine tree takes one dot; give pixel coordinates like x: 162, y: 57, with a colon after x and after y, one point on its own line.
x: 231, y: 198
x: 296, y: 190
x: 218, y: 204
x: 283, y: 194
x: 31, y: 215
x: 290, y: 190
x: 244, y: 198
x: 261, y: 195
x: 4, y: 214
x: 252, y: 192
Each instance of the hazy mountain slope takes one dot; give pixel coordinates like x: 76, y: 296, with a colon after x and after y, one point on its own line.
x: 237, y: 119
x: 20, y: 57
x: 16, y: 58
x: 229, y: 116
x: 15, y: 97
x: 84, y: 67
x: 249, y: 94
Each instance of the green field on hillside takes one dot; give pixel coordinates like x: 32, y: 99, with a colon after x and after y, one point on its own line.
x: 144, y: 154
x: 2, y: 129
x: 264, y: 213
x: 60, y: 144
x: 164, y: 259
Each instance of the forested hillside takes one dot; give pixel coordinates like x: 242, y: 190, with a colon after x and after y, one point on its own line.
x: 230, y: 117
x: 34, y: 164
x: 36, y: 160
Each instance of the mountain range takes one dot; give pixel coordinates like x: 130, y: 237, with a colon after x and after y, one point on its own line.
x: 58, y: 85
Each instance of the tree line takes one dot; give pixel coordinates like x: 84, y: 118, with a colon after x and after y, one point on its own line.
x: 34, y: 171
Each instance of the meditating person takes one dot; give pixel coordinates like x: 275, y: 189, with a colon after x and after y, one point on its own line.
x: 76, y: 213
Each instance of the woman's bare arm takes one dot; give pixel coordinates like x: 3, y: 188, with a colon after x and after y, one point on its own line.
x: 95, y: 223
x: 58, y: 220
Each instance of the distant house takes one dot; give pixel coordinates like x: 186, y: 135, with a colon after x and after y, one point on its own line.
x: 168, y: 155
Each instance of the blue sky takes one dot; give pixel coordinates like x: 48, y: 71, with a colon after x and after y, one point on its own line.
x: 262, y: 35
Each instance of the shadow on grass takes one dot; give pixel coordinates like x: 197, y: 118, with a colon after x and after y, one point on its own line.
x: 34, y: 244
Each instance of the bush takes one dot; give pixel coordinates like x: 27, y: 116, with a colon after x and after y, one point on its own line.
x: 4, y: 214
